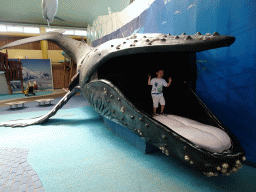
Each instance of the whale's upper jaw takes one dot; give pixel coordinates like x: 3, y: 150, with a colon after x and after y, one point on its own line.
x: 183, y: 42
x: 149, y: 43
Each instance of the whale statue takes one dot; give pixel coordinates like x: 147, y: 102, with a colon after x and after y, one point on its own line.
x: 49, y: 10
x: 211, y: 149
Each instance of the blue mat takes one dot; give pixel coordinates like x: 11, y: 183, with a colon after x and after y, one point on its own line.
x: 20, y: 95
x: 74, y: 151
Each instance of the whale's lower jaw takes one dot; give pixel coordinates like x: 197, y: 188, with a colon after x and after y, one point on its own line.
x: 109, y: 101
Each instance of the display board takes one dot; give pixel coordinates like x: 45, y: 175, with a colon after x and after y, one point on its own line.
x: 35, y: 70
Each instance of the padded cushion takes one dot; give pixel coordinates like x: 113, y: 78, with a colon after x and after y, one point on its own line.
x: 205, y: 136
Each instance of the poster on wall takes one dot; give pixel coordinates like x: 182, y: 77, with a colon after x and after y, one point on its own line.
x: 37, y: 71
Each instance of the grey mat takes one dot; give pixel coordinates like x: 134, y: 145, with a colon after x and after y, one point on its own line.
x: 16, y: 174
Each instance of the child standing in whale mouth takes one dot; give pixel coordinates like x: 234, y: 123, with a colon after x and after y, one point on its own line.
x: 157, y: 90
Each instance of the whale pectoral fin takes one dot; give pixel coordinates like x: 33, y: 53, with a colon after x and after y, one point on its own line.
x: 41, y: 119
x: 74, y: 81
x: 75, y: 49
x: 24, y: 122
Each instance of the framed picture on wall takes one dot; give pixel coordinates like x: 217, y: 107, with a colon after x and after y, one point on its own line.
x: 37, y: 71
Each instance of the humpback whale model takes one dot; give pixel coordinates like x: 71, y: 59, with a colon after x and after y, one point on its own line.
x: 212, y: 149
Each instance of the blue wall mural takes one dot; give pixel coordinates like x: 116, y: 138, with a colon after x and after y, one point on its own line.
x: 38, y: 70
x: 226, y: 76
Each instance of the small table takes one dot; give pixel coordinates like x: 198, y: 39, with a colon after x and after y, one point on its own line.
x: 15, y: 104
x: 43, y: 101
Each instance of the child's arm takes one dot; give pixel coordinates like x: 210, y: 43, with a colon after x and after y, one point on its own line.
x: 169, y: 83
x: 149, y: 79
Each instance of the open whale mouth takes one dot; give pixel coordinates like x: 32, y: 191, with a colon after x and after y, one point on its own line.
x: 189, y: 130
x: 130, y: 75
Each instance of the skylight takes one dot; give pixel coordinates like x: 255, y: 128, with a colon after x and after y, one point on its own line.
x: 31, y: 30
x: 50, y: 29
x: 3, y: 28
x: 14, y: 29
x: 28, y: 29
x: 69, y: 32
x: 80, y: 33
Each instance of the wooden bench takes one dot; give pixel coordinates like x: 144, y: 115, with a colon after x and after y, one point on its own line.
x: 14, y: 105
x: 43, y: 101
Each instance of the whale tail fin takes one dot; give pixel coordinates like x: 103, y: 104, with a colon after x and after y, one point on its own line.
x: 75, y: 49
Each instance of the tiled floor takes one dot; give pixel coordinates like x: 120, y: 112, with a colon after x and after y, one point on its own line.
x: 15, y: 173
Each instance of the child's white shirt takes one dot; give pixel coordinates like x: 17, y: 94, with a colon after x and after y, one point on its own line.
x: 157, y: 86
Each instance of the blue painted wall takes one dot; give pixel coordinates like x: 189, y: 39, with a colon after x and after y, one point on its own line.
x: 226, y: 76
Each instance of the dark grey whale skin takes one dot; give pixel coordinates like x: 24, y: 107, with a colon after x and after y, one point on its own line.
x: 109, y: 101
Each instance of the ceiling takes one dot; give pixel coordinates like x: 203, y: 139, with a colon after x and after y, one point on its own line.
x: 76, y: 13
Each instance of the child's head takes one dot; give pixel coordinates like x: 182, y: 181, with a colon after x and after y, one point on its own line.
x: 160, y: 73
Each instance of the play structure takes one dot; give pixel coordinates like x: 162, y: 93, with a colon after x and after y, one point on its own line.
x: 121, y: 94
x: 3, y: 86
x: 3, y: 63
x: 13, y: 71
